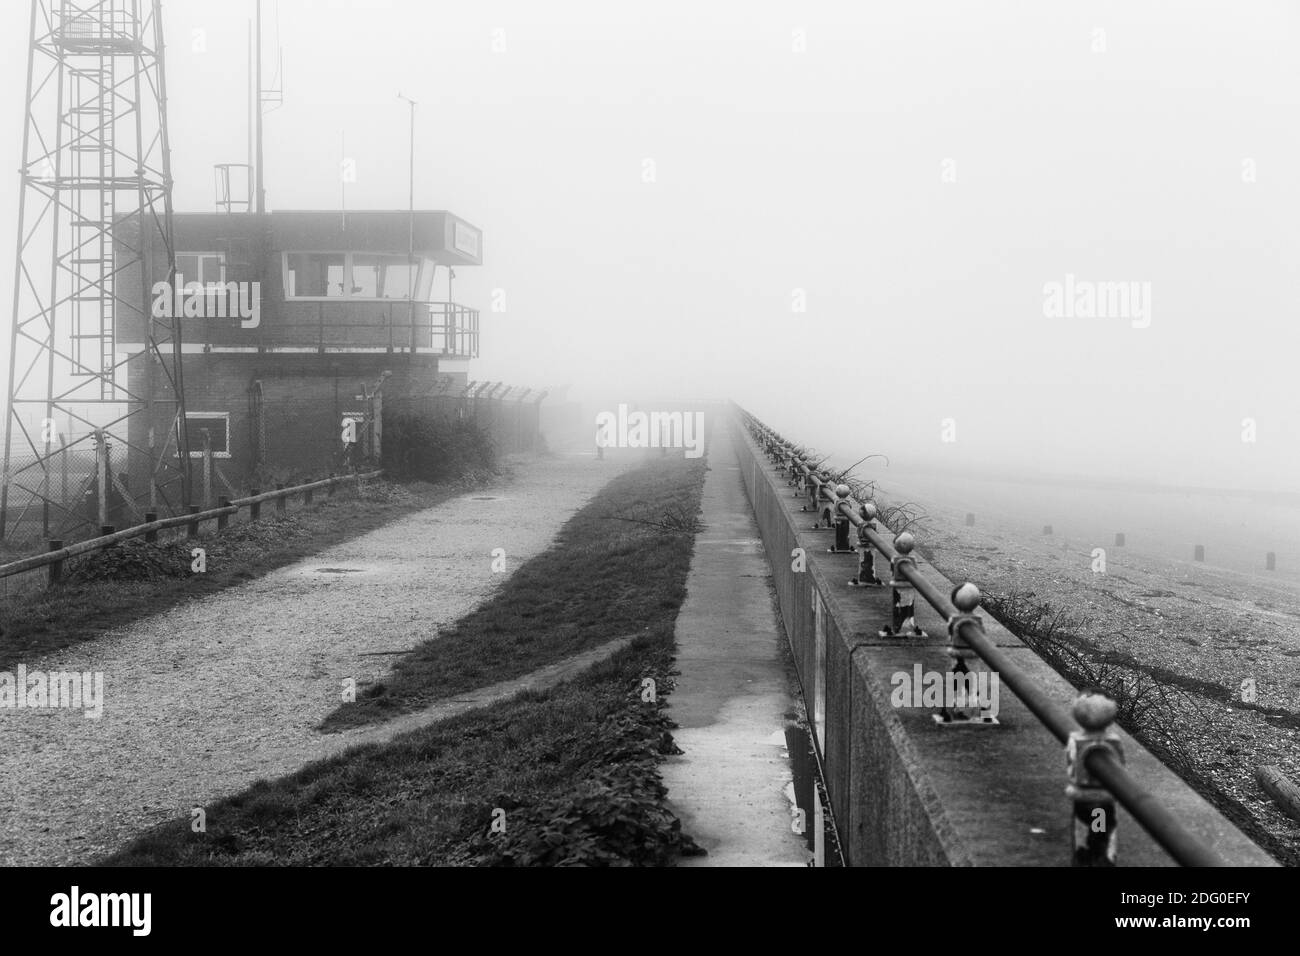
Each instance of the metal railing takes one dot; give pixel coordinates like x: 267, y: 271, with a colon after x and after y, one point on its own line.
x: 149, y: 530
x: 1094, y: 759
x: 397, y: 325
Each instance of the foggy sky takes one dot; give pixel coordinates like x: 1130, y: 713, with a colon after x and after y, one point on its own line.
x: 783, y: 175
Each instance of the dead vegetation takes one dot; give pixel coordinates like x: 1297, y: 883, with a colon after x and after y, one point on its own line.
x: 1173, y: 661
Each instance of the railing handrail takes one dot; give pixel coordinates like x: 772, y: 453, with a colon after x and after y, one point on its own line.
x: 175, y: 521
x: 1159, y: 822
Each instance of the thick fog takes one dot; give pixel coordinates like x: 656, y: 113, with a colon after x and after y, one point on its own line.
x: 1049, y: 237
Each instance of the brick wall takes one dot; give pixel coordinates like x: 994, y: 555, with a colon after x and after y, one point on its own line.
x: 304, y: 397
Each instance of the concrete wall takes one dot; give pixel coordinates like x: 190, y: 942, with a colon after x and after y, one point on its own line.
x: 905, y: 790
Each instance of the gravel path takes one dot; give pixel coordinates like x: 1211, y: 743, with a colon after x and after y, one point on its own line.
x: 204, y: 699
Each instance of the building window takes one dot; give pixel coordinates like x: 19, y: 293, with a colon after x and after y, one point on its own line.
x: 206, y: 269
x: 314, y: 274
x: 201, y: 267
x: 360, y: 275
x: 380, y: 277
x: 217, y: 425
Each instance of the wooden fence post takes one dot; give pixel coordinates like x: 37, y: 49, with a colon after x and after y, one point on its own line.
x: 101, y: 475
x: 207, y: 468
x: 56, y: 568
x: 63, y: 454
x: 1284, y: 793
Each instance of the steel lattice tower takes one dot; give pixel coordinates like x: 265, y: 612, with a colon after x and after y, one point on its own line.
x: 94, y: 230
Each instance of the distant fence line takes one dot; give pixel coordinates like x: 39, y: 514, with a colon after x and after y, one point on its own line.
x: 510, y: 414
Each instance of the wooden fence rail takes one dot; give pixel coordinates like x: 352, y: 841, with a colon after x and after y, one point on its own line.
x: 54, y: 558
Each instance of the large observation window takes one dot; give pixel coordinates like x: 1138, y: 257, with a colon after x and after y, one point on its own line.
x: 359, y: 275
x: 314, y: 274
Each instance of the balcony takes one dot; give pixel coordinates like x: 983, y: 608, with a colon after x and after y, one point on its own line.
x: 428, y: 328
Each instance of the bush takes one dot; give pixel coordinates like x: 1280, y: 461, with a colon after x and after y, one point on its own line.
x: 437, y: 448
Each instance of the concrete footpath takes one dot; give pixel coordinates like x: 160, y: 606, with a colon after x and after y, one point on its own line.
x: 732, y: 700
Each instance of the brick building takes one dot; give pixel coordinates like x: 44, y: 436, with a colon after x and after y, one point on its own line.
x: 291, y: 324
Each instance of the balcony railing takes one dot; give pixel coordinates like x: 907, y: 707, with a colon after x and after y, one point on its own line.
x: 434, y: 328
x: 457, y: 330
x: 98, y: 28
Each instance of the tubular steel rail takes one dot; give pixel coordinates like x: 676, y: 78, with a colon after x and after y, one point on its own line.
x: 1097, y: 775
x: 57, y: 554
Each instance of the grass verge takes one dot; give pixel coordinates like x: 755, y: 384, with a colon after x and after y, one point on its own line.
x: 617, y: 567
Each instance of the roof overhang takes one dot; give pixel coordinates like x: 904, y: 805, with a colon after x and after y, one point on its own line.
x: 433, y: 233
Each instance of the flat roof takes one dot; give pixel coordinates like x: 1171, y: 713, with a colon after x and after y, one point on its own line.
x: 437, y: 234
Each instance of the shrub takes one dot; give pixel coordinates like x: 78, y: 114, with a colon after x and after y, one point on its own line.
x: 437, y: 448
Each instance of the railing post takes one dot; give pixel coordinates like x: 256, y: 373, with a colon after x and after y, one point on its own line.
x: 967, y: 706
x: 280, y: 502
x: 842, y: 523
x: 192, y: 529
x: 149, y: 518
x: 255, y: 509
x: 223, y: 520
x: 903, y: 622
x: 813, y: 487
x: 866, y: 576
x: 308, y: 494
x: 1093, y: 808
x: 56, y: 567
